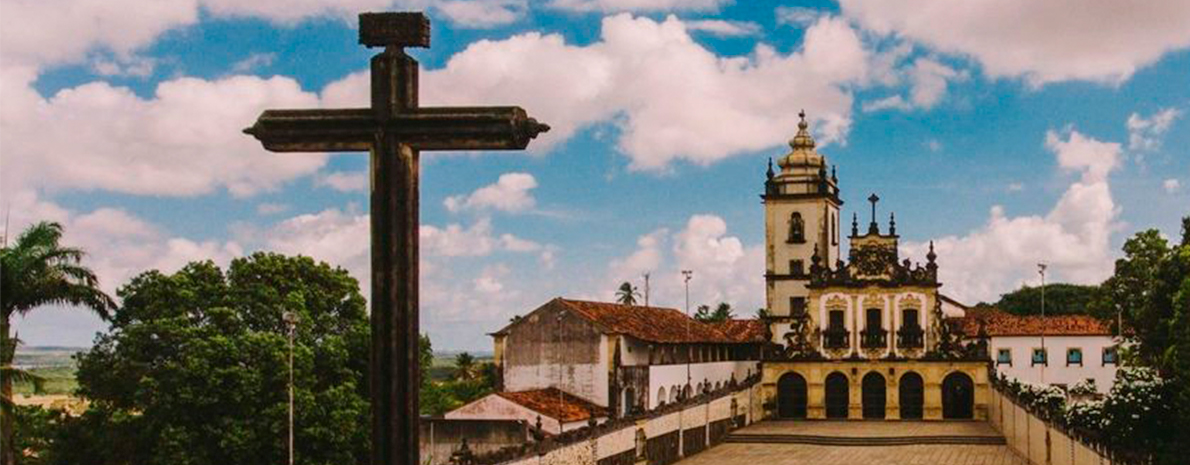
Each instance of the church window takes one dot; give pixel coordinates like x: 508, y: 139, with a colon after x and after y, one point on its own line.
x: 873, y: 320
x: 1004, y: 357
x: 797, y: 228
x: 1074, y: 356
x: 797, y: 305
x: 834, y: 229
x: 1109, y: 355
x: 1040, y: 357
x: 836, y: 317
x: 797, y: 267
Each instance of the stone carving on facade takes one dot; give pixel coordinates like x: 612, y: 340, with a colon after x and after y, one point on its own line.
x: 873, y: 264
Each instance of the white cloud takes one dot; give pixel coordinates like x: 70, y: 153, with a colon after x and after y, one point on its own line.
x: 1073, y: 237
x: 722, y: 28
x: 1145, y: 133
x: 253, y: 62
x: 183, y: 141
x: 483, y: 13
x: 119, y: 245
x: 132, y: 65
x: 1016, y: 187
x: 637, y: 5
x: 1171, y: 185
x: 1102, y: 41
x: 343, y: 181
x: 668, y: 95
x: 798, y: 16
x: 510, y: 193
x: 724, y: 269
x: 928, y: 81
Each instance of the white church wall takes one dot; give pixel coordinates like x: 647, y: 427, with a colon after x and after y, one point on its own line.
x: 674, y: 376
x: 633, y: 352
x: 1057, y: 371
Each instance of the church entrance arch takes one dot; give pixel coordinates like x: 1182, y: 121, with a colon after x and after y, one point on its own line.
x: 791, y: 396
x: 911, y: 395
x: 873, y: 395
x: 838, y: 395
x: 958, y: 396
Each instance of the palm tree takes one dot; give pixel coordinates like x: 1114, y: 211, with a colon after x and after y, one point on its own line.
x: 465, y: 367
x: 37, y: 270
x: 627, y: 294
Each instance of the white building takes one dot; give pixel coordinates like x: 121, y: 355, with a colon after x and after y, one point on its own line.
x: 623, y: 357
x: 1075, y: 347
x: 556, y: 410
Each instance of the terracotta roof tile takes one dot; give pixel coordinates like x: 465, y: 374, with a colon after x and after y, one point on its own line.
x: 742, y: 330
x: 652, y: 324
x: 555, y: 403
x: 1001, y: 323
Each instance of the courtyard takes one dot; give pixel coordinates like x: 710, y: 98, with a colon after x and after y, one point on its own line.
x: 951, y: 442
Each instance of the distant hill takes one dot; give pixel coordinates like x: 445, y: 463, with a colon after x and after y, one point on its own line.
x: 45, y: 356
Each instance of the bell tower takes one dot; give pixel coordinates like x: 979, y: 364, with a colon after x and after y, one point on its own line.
x: 801, y: 211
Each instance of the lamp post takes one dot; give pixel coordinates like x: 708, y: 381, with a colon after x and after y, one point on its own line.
x: 291, y: 320
x: 1041, y: 270
x: 687, y: 275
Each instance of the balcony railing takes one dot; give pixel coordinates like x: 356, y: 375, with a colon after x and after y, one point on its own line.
x: 836, y: 338
x: 910, y: 337
x: 873, y: 338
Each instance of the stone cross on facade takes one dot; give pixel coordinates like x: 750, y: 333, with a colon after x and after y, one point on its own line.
x: 394, y: 129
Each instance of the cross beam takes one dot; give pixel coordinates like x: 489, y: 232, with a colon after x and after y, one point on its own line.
x: 394, y: 130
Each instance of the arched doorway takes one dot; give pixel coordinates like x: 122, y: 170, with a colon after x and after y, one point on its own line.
x: 911, y: 394
x: 838, y: 395
x: 958, y: 396
x: 873, y: 394
x: 791, y: 396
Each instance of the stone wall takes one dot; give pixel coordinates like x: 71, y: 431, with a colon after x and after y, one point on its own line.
x: 1036, y: 440
x: 663, y: 436
x: 440, y: 437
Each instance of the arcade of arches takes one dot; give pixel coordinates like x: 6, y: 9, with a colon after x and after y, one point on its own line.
x: 892, y: 390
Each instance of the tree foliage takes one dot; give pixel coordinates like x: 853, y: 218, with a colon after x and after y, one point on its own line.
x: 627, y: 294
x: 721, y: 313
x: 37, y: 270
x: 193, y: 369
x: 1060, y: 299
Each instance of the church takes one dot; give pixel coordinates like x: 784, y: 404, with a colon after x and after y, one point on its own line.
x: 866, y: 336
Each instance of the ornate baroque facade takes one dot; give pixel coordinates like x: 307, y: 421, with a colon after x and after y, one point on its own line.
x: 864, y: 337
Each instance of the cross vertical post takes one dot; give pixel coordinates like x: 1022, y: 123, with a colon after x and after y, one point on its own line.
x: 394, y: 129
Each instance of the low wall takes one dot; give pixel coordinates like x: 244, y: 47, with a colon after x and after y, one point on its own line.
x: 440, y: 437
x: 662, y: 436
x: 1037, y: 440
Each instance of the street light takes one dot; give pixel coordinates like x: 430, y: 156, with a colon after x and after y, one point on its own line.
x: 1041, y: 270
x: 291, y: 320
x: 687, y: 274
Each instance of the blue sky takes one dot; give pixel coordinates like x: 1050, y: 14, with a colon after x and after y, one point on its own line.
x: 1008, y: 132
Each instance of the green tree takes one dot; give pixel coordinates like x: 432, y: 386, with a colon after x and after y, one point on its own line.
x: 465, y: 367
x: 1060, y: 299
x: 35, y: 271
x: 193, y: 368
x: 721, y: 313
x: 627, y: 294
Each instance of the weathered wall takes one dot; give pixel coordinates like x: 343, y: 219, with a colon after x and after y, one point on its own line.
x: 1036, y: 440
x: 555, y: 348
x: 441, y: 437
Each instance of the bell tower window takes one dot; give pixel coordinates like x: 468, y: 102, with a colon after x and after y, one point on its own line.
x: 797, y: 229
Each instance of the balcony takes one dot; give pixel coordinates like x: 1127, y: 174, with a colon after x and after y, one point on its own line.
x: 836, y: 337
x: 873, y: 338
x: 910, y: 337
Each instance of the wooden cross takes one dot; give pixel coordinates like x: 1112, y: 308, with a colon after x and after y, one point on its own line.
x: 394, y: 129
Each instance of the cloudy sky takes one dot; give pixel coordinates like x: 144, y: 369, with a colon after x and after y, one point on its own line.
x: 1008, y: 131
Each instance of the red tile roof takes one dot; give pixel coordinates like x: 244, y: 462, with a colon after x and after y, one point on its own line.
x: 1001, y: 323
x: 742, y: 330
x: 652, y: 324
x: 555, y: 403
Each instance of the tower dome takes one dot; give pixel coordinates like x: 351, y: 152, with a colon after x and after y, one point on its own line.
x: 802, y: 153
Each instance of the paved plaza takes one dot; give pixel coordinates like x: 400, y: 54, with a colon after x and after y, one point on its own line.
x: 807, y: 454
